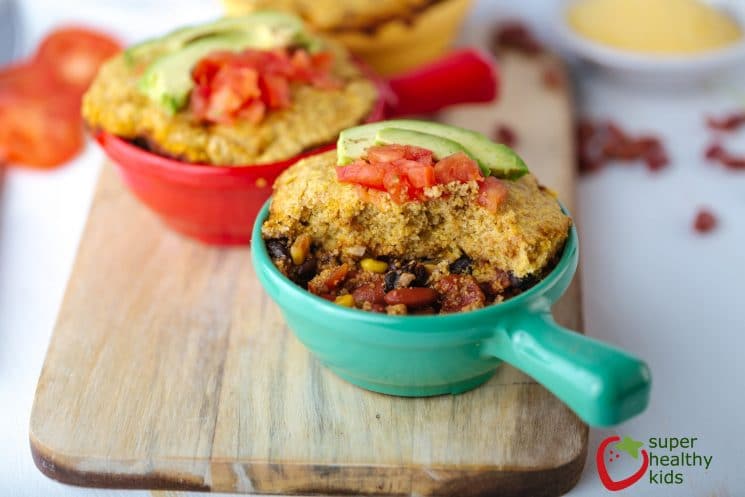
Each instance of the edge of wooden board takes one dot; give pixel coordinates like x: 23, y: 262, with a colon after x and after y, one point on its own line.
x: 268, y: 478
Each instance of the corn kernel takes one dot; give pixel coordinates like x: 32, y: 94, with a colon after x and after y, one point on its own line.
x: 300, y: 248
x: 374, y: 266
x: 345, y: 300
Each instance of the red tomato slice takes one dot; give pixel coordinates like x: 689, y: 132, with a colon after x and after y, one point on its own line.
x: 362, y: 173
x: 457, y: 167
x: 393, y: 152
x: 419, y: 154
x: 398, y: 186
x: 492, y: 192
x: 225, y: 91
x: 419, y: 175
x: 206, y: 69
x: 38, y: 131
x: 275, y: 91
x: 254, y: 112
x: 26, y: 79
x: 385, y: 154
x: 74, y: 55
x: 231, y: 90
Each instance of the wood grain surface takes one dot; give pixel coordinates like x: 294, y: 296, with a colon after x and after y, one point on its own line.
x: 169, y: 368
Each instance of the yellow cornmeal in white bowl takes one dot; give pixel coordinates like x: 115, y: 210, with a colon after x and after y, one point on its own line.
x: 654, y: 26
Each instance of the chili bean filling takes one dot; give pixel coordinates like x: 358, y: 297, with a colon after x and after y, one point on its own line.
x: 398, y: 286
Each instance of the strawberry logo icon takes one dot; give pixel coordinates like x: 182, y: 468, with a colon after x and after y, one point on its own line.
x: 631, y: 447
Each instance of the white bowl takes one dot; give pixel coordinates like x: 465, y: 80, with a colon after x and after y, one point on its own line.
x: 659, y: 70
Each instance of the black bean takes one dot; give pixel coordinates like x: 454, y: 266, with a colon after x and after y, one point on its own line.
x: 461, y: 265
x: 524, y: 282
x: 391, y: 277
x: 305, y: 271
x: 277, y: 248
x: 421, y: 274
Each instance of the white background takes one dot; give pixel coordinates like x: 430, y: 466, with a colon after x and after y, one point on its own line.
x: 651, y: 285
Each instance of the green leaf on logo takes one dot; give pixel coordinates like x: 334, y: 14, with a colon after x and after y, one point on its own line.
x: 630, y: 446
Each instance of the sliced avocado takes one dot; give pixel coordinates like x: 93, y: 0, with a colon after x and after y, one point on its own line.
x: 493, y: 158
x: 168, y: 81
x: 269, y: 29
x: 441, y: 147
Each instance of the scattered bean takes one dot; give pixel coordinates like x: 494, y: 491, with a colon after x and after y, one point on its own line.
x: 418, y: 270
x: 391, y: 277
x: 514, y: 35
x: 506, y: 135
x: 461, y: 265
x: 306, y: 271
x: 411, y: 297
x: 371, y: 292
x: 277, y: 248
x: 705, y: 221
x: 524, y: 282
x: 729, y: 122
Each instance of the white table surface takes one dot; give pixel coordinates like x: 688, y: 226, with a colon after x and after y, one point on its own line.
x: 651, y: 285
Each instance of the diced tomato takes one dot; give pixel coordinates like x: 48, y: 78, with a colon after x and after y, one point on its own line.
x: 405, y: 171
x: 328, y: 279
x: 231, y: 88
x: 459, y: 292
x: 398, y: 186
x: 301, y: 64
x: 384, y: 154
x: 199, y: 100
x: 322, y: 62
x: 422, y: 177
x: 75, y: 54
x: 362, y: 173
x: 393, y: 152
x: 419, y: 154
x: 492, y: 192
x: 206, y: 69
x: 457, y: 167
x: 276, y: 90
x: 229, y: 84
x: 254, y: 112
x: 419, y: 175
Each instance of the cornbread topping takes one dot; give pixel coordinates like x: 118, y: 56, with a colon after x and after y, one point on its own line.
x: 465, y: 242
x: 237, y: 91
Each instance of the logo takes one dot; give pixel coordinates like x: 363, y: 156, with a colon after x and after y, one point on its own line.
x: 622, y: 462
x: 630, y: 447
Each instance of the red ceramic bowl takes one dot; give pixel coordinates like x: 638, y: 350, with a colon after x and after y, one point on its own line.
x: 218, y: 204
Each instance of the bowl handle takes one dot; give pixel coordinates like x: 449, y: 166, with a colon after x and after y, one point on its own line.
x: 463, y: 76
x: 602, y: 384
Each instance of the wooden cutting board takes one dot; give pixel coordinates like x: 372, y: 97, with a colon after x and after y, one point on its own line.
x: 169, y: 368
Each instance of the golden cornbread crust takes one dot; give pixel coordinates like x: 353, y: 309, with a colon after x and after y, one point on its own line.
x: 114, y: 104
x: 337, y: 15
x: 523, y: 236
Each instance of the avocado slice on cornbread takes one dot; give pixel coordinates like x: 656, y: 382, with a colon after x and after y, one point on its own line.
x: 167, y: 80
x: 494, y: 159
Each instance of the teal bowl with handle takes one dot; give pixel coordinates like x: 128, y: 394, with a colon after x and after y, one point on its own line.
x: 419, y: 356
